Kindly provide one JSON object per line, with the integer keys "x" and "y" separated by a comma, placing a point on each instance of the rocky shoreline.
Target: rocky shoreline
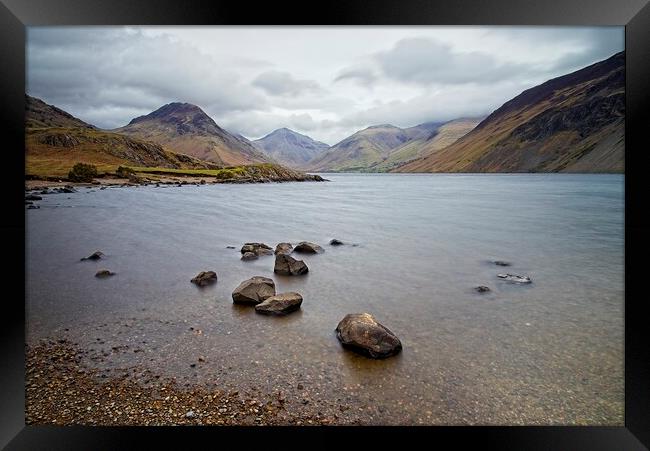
{"x": 62, "y": 390}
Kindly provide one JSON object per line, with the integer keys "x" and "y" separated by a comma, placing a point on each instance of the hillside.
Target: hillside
{"x": 368, "y": 147}
{"x": 290, "y": 148}
{"x": 39, "y": 114}
{"x": 186, "y": 128}
{"x": 55, "y": 140}
{"x": 53, "y": 151}
{"x": 445, "y": 135}
{"x": 573, "y": 123}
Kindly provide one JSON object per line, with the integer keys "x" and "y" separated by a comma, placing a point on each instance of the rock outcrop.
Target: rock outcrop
{"x": 204, "y": 278}
{"x": 308, "y": 248}
{"x": 286, "y": 265}
{"x": 257, "y": 248}
{"x": 283, "y": 248}
{"x": 362, "y": 333}
{"x": 253, "y": 291}
{"x": 280, "y": 304}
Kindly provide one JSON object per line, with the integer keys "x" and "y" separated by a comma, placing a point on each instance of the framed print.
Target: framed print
{"x": 417, "y": 218}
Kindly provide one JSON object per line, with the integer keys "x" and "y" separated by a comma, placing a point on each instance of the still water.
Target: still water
{"x": 546, "y": 353}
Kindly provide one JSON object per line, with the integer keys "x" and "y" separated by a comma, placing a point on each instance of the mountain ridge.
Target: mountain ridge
{"x": 572, "y": 123}
{"x": 186, "y": 128}
{"x": 290, "y": 147}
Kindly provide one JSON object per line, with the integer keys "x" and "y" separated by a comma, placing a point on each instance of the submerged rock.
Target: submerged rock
{"x": 280, "y": 304}
{"x": 204, "y": 277}
{"x": 257, "y": 249}
{"x": 502, "y": 263}
{"x": 33, "y": 207}
{"x": 515, "y": 278}
{"x": 254, "y": 290}
{"x": 336, "y": 242}
{"x": 308, "y": 248}
{"x": 249, "y": 256}
{"x": 286, "y": 265}
{"x": 230, "y": 247}
{"x": 33, "y": 197}
{"x": 362, "y": 333}
{"x": 104, "y": 273}
{"x": 482, "y": 289}
{"x": 95, "y": 256}
{"x": 283, "y": 248}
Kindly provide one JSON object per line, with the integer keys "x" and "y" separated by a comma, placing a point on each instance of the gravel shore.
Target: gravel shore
{"x": 61, "y": 390}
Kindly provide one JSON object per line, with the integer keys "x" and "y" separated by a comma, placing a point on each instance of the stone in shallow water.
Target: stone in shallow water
{"x": 502, "y": 263}
{"x": 482, "y": 289}
{"x": 280, "y": 304}
{"x": 249, "y": 256}
{"x": 205, "y": 277}
{"x": 286, "y": 265}
{"x": 257, "y": 249}
{"x": 308, "y": 248}
{"x": 104, "y": 273}
{"x": 95, "y": 256}
{"x": 514, "y": 278}
{"x": 336, "y": 242}
{"x": 362, "y": 333}
{"x": 283, "y": 248}
{"x": 254, "y": 290}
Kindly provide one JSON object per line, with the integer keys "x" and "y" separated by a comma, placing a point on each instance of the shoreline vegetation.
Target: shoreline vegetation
{"x": 135, "y": 175}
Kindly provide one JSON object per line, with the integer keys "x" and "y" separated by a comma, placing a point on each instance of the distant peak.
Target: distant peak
{"x": 171, "y": 109}
{"x": 381, "y": 126}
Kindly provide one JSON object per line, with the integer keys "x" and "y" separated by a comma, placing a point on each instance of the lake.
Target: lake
{"x": 550, "y": 352}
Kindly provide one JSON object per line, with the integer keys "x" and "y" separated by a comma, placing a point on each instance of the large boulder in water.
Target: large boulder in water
{"x": 283, "y": 248}
{"x": 286, "y": 265}
{"x": 280, "y": 304}
{"x": 204, "y": 278}
{"x": 257, "y": 249}
{"x": 254, "y": 290}
{"x": 362, "y": 333}
{"x": 308, "y": 248}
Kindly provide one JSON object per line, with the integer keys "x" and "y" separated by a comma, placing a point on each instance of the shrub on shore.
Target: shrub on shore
{"x": 124, "y": 172}
{"x": 82, "y": 172}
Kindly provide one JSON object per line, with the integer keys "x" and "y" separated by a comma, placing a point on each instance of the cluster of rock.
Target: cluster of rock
{"x": 102, "y": 273}
{"x": 36, "y": 193}
{"x": 513, "y": 278}
{"x": 260, "y": 292}
{"x": 359, "y": 332}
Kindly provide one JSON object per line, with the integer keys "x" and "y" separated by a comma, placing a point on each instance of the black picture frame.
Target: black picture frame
{"x": 15, "y": 15}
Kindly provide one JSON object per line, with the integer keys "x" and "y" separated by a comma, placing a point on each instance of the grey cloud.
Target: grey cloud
{"x": 104, "y": 68}
{"x": 364, "y": 75}
{"x": 426, "y": 61}
{"x": 278, "y": 83}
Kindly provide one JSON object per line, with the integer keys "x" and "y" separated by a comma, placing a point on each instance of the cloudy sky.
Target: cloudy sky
{"x": 326, "y": 82}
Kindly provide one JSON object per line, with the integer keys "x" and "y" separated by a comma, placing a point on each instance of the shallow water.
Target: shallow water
{"x": 550, "y": 352}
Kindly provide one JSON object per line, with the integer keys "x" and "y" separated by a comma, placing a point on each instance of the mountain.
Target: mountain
{"x": 573, "y": 123}
{"x": 444, "y": 135}
{"x": 290, "y": 148}
{"x": 370, "y": 149}
{"x": 55, "y": 140}
{"x": 39, "y": 114}
{"x": 185, "y": 128}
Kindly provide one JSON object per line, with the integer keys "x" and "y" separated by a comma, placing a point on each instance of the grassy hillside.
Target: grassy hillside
{"x": 573, "y": 123}
{"x": 53, "y": 151}
{"x": 186, "y": 128}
